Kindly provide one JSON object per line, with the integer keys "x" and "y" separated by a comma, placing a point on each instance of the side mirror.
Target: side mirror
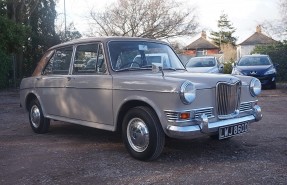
{"x": 220, "y": 68}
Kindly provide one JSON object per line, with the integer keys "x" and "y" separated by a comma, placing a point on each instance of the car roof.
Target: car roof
{"x": 255, "y": 55}
{"x": 204, "y": 57}
{"x": 105, "y": 40}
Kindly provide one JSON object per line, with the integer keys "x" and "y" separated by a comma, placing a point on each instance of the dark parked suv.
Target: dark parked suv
{"x": 259, "y": 66}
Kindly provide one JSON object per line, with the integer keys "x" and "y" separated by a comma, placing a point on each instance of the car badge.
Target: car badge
{"x": 253, "y": 72}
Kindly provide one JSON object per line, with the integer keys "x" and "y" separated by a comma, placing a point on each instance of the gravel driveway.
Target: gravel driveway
{"x": 72, "y": 154}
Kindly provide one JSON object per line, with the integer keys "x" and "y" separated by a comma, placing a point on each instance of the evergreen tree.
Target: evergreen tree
{"x": 12, "y": 38}
{"x": 225, "y": 33}
{"x": 43, "y": 35}
{"x": 30, "y": 29}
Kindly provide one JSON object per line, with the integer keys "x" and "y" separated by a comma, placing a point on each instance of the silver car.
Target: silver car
{"x": 206, "y": 64}
{"x": 146, "y": 101}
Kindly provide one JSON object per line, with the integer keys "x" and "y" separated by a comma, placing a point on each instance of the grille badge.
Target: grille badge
{"x": 253, "y": 72}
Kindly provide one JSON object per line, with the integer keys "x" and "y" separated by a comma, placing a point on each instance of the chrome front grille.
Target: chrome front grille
{"x": 207, "y": 111}
{"x": 173, "y": 116}
{"x": 228, "y": 99}
{"x": 246, "y": 106}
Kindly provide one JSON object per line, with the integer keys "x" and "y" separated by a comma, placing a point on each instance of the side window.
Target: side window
{"x": 89, "y": 59}
{"x": 60, "y": 62}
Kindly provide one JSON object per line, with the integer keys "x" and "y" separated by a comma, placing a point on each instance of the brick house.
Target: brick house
{"x": 258, "y": 38}
{"x": 201, "y": 47}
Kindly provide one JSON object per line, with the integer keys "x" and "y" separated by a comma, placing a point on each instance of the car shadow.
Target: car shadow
{"x": 199, "y": 149}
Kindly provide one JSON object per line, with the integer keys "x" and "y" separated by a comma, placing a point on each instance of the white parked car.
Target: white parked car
{"x": 145, "y": 101}
{"x": 206, "y": 64}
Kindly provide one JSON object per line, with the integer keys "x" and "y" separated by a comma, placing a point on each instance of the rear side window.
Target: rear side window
{"x": 60, "y": 62}
{"x": 89, "y": 59}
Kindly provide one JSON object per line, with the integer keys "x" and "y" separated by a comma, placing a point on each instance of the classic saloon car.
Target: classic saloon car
{"x": 145, "y": 101}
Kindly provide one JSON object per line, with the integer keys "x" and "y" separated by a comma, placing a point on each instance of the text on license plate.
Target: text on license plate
{"x": 232, "y": 130}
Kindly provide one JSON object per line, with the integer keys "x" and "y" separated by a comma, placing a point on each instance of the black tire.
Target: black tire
{"x": 147, "y": 140}
{"x": 273, "y": 85}
{"x": 38, "y": 122}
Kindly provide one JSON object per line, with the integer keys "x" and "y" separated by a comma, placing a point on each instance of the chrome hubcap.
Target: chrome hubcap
{"x": 35, "y": 116}
{"x": 138, "y": 134}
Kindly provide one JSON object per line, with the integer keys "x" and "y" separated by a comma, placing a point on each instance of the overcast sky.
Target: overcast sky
{"x": 244, "y": 14}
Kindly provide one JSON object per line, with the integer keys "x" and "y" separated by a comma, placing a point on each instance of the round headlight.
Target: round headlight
{"x": 255, "y": 87}
{"x": 187, "y": 92}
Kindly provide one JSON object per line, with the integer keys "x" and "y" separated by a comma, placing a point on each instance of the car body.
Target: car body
{"x": 205, "y": 64}
{"x": 146, "y": 101}
{"x": 259, "y": 66}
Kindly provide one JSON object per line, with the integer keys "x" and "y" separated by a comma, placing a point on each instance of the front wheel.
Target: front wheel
{"x": 142, "y": 134}
{"x": 38, "y": 122}
{"x": 273, "y": 85}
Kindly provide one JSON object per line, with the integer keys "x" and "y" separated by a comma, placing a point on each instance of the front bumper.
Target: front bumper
{"x": 203, "y": 127}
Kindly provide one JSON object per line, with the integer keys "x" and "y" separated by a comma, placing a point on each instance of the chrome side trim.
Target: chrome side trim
{"x": 84, "y": 123}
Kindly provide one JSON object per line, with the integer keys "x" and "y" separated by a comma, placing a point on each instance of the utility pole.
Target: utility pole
{"x": 65, "y": 18}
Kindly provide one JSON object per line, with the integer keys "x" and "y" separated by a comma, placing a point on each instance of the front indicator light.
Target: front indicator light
{"x": 184, "y": 115}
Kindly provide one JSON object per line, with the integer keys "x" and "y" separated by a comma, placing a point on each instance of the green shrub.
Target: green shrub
{"x": 278, "y": 54}
{"x": 227, "y": 69}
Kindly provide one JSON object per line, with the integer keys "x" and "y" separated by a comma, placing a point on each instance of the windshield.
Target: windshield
{"x": 139, "y": 55}
{"x": 254, "y": 61}
{"x": 201, "y": 62}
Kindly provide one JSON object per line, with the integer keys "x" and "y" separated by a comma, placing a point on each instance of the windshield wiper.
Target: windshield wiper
{"x": 169, "y": 68}
{"x": 131, "y": 69}
{"x": 146, "y": 66}
{"x": 166, "y": 68}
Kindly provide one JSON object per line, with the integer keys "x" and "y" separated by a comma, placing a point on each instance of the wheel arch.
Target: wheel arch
{"x": 31, "y": 96}
{"x": 130, "y": 104}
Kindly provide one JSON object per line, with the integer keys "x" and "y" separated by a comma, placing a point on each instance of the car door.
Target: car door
{"x": 51, "y": 85}
{"x": 89, "y": 88}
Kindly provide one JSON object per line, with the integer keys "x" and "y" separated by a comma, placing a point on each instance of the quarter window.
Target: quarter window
{"x": 60, "y": 62}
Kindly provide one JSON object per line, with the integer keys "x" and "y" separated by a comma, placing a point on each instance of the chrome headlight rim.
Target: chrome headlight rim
{"x": 187, "y": 92}
{"x": 255, "y": 87}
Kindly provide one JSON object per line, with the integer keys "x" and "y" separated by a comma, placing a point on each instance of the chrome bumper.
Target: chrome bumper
{"x": 203, "y": 127}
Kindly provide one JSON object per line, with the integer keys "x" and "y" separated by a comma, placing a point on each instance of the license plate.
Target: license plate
{"x": 232, "y": 130}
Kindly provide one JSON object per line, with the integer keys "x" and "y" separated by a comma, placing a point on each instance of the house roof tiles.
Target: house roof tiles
{"x": 201, "y": 43}
{"x": 258, "y": 38}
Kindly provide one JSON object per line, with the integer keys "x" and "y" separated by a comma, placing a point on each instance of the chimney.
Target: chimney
{"x": 258, "y": 29}
{"x": 203, "y": 34}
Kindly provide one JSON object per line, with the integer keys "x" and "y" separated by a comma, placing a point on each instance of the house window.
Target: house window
{"x": 201, "y": 53}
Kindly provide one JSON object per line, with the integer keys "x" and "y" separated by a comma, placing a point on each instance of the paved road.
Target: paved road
{"x": 72, "y": 154}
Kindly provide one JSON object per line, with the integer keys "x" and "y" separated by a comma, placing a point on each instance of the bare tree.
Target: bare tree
{"x": 277, "y": 28}
{"x": 283, "y": 11}
{"x": 145, "y": 18}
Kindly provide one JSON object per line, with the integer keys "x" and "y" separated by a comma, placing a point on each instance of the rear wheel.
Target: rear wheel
{"x": 142, "y": 134}
{"x": 38, "y": 122}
